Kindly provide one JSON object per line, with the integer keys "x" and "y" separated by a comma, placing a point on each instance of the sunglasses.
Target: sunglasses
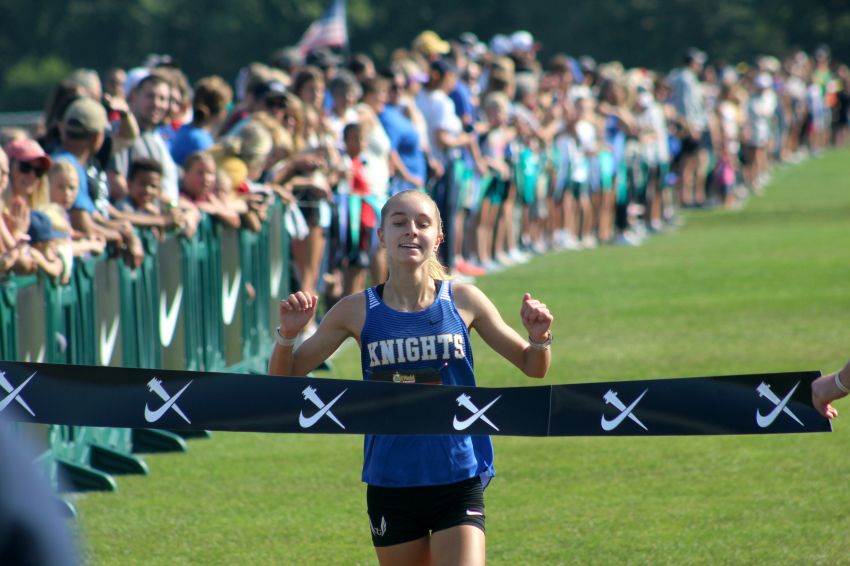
{"x": 27, "y": 167}
{"x": 276, "y": 103}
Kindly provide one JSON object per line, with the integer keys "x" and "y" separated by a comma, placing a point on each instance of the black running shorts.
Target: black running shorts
{"x": 403, "y": 514}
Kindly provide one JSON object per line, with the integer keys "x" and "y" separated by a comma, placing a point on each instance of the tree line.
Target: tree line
{"x": 40, "y": 44}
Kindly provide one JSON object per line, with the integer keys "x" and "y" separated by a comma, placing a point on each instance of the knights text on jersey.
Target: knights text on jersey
{"x": 432, "y": 342}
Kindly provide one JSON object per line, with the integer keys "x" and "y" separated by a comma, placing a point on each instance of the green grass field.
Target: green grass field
{"x": 762, "y": 289}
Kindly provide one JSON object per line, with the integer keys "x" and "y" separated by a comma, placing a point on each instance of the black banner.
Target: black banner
{"x": 142, "y": 398}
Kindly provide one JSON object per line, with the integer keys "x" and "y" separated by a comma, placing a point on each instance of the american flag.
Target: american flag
{"x": 327, "y": 31}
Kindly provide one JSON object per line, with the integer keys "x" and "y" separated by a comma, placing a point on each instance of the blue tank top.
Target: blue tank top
{"x": 435, "y": 338}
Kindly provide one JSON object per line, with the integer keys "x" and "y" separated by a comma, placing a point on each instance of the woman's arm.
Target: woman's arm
{"x": 828, "y": 388}
{"x": 531, "y": 355}
{"x": 343, "y": 320}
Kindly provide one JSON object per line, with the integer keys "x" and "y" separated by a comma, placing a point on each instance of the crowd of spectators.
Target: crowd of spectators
{"x": 523, "y": 156}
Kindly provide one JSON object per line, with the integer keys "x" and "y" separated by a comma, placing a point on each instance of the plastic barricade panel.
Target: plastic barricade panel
{"x": 231, "y": 277}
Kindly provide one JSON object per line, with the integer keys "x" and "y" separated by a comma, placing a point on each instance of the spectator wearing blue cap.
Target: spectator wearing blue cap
{"x": 45, "y": 241}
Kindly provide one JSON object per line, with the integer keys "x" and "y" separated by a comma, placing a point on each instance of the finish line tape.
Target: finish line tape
{"x": 183, "y": 400}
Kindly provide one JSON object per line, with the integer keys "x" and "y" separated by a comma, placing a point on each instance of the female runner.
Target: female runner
{"x": 425, "y": 493}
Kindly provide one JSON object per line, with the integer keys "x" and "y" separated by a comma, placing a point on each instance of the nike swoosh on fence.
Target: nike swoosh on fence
{"x": 229, "y": 296}
{"x": 107, "y": 343}
{"x": 276, "y": 277}
{"x": 14, "y": 394}
{"x": 306, "y": 422}
{"x": 168, "y": 316}
{"x": 153, "y": 416}
{"x": 614, "y": 423}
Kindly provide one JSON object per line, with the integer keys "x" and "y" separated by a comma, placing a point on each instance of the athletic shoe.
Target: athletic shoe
{"x": 625, "y": 239}
{"x": 519, "y": 256}
{"x": 492, "y": 266}
{"x": 589, "y": 242}
{"x": 467, "y": 268}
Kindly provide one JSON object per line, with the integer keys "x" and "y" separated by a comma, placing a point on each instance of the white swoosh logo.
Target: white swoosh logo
{"x": 465, "y": 424}
{"x": 39, "y": 358}
{"x": 765, "y": 421}
{"x": 168, "y": 316}
{"x": 229, "y": 296}
{"x": 277, "y": 275}
{"x": 308, "y": 422}
{"x": 614, "y": 423}
{"x": 107, "y": 343}
{"x": 14, "y": 395}
{"x": 153, "y": 416}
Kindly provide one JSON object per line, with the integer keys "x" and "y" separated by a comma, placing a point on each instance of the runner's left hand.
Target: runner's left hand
{"x": 536, "y": 318}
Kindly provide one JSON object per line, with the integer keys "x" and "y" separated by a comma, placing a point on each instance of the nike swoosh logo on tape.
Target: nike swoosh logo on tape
{"x": 614, "y": 423}
{"x": 168, "y": 316}
{"x": 308, "y": 422}
{"x": 153, "y": 416}
{"x": 14, "y": 394}
{"x": 229, "y": 296}
{"x": 765, "y": 421}
{"x": 465, "y": 424}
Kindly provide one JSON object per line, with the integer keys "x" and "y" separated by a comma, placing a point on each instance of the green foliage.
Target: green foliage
{"x": 219, "y": 36}
{"x": 30, "y": 79}
{"x": 755, "y": 290}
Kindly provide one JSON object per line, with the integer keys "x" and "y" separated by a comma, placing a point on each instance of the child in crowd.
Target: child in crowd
{"x": 199, "y": 184}
{"x": 362, "y": 215}
{"x": 495, "y": 151}
{"x": 140, "y": 207}
{"x": 64, "y": 185}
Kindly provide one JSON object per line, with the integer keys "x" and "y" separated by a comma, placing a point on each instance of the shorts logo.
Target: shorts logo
{"x": 626, "y": 412}
{"x": 765, "y": 421}
{"x": 310, "y": 395}
{"x": 466, "y": 402}
{"x": 155, "y": 386}
{"x": 14, "y": 393}
{"x": 378, "y": 532}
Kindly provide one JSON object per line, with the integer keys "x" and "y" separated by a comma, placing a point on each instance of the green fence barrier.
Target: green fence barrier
{"x": 206, "y": 303}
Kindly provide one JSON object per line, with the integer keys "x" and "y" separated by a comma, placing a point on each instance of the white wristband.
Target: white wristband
{"x": 841, "y": 387}
{"x": 286, "y": 342}
{"x": 541, "y": 345}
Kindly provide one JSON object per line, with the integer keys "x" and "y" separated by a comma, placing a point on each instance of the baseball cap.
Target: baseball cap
{"x": 500, "y": 45}
{"x": 443, "y": 66}
{"x": 323, "y": 58}
{"x": 41, "y": 229}
{"x": 134, "y": 77}
{"x": 270, "y": 89}
{"x": 430, "y": 43}
{"x": 85, "y": 116}
{"x": 522, "y": 41}
{"x": 694, "y": 54}
{"x": 26, "y": 149}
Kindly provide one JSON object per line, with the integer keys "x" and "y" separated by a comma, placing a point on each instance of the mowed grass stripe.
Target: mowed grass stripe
{"x": 755, "y": 290}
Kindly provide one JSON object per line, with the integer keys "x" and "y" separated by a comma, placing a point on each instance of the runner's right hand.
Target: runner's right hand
{"x": 296, "y": 311}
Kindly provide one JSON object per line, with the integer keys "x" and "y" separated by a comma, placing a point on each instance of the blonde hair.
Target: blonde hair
{"x": 58, "y": 218}
{"x": 436, "y": 270}
{"x": 63, "y": 167}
